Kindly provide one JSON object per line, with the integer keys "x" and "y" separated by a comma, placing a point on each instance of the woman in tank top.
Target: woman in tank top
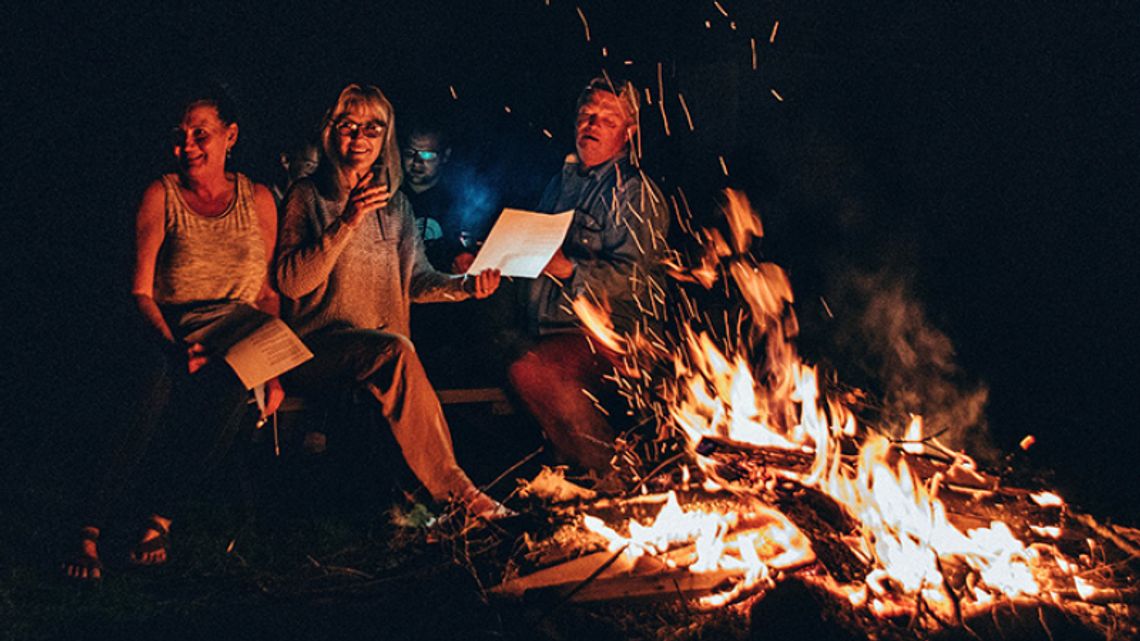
{"x": 204, "y": 241}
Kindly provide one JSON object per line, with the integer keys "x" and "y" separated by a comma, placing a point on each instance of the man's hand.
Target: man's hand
{"x": 364, "y": 198}
{"x": 274, "y": 395}
{"x": 196, "y": 357}
{"x": 485, "y": 283}
{"x": 462, "y": 263}
{"x": 559, "y": 266}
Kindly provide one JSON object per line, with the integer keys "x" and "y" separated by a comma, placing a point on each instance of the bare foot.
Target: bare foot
{"x": 85, "y": 566}
{"x": 152, "y": 546}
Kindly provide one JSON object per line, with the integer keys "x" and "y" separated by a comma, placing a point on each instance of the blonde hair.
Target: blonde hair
{"x": 368, "y": 99}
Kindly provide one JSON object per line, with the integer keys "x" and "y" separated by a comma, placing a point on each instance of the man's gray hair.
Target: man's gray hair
{"x": 624, "y": 90}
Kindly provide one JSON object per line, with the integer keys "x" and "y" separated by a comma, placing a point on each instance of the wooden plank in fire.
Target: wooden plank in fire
{"x": 602, "y": 577}
{"x": 588, "y": 578}
{"x": 676, "y": 584}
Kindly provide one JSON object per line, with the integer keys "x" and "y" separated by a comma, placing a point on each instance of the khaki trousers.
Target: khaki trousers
{"x": 386, "y": 365}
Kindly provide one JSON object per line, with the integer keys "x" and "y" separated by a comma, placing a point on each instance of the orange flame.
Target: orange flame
{"x": 771, "y": 542}
{"x": 742, "y": 219}
{"x": 906, "y": 535}
{"x": 596, "y": 318}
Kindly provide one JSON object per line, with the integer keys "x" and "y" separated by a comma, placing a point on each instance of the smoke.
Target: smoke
{"x": 884, "y": 328}
{"x": 476, "y": 198}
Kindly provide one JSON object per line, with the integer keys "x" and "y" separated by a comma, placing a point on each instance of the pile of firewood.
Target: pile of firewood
{"x": 567, "y": 562}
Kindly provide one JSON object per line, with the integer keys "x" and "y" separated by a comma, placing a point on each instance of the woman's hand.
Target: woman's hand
{"x": 364, "y": 198}
{"x": 486, "y": 282}
{"x": 274, "y": 395}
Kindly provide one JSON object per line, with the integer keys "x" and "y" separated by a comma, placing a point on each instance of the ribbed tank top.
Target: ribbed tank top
{"x": 210, "y": 259}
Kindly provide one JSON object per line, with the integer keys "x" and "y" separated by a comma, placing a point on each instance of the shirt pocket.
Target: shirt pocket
{"x": 587, "y": 233}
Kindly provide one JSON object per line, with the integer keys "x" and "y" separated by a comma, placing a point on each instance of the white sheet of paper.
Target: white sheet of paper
{"x": 522, "y": 242}
{"x": 270, "y": 350}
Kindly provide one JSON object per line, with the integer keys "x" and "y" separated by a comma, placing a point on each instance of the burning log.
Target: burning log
{"x": 752, "y": 464}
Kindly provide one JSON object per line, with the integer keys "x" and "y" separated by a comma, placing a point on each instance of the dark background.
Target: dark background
{"x": 983, "y": 153}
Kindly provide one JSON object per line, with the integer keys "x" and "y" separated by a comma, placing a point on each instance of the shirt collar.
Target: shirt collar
{"x": 575, "y": 165}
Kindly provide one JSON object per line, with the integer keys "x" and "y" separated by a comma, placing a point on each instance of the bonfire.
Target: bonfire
{"x": 757, "y": 473}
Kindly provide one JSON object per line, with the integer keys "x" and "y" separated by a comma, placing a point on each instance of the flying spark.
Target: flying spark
{"x": 685, "y": 108}
{"x": 586, "y": 25}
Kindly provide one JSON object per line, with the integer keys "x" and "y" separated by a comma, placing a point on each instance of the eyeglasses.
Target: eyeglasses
{"x": 425, "y": 155}
{"x": 348, "y": 129}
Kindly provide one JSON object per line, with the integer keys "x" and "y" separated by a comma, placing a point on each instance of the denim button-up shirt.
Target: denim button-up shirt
{"x": 616, "y": 242}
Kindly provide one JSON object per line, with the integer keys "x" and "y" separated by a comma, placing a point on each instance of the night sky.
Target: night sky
{"x": 982, "y": 153}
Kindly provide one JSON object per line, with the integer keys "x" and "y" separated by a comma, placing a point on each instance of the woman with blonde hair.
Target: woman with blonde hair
{"x": 349, "y": 265}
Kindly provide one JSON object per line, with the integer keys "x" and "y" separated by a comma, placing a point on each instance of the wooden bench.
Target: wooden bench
{"x": 496, "y": 397}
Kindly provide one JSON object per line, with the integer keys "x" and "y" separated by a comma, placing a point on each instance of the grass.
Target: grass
{"x": 298, "y": 548}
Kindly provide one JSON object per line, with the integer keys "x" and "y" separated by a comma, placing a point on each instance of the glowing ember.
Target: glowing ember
{"x": 1047, "y": 499}
{"x": 1084, "y": 589}
{"x": 912, "y": 441}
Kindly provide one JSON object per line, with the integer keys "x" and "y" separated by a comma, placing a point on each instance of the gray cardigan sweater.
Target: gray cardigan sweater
{"x": 331, "y": 277}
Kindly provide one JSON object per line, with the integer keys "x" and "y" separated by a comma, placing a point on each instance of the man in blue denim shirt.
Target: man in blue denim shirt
{"x": 612, "y": 252}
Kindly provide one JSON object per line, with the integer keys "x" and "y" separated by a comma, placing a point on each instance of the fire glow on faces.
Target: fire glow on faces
{"x": 602, "y": 129}
{"x": 200, "y": 142}
{"x": 359, "y": 138}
